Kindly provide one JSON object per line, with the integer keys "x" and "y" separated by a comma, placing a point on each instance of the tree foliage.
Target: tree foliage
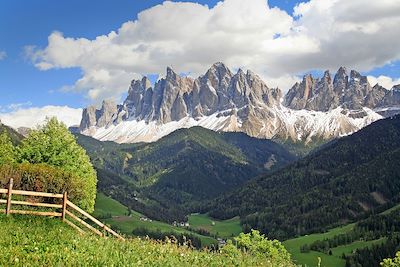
{"x": 7, "y": 150}
{"x": 258, "y": 245}
{"x": 392, "y": 262}
{"x": 53, "y": 145}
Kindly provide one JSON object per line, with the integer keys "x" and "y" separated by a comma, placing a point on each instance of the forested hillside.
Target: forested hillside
{"x": 162, "y": 178}
{"x": 344, "y": 181}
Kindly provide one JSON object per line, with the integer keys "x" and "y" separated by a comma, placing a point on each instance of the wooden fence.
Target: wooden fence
{"x": 62, "y": 208}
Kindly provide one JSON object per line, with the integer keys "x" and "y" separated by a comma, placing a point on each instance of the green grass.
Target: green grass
{"x": 311, "y": 258}
{"x": 126, "y": 224}
{"x": 106, "y": 205}
{"x": 391, "y": 209}
{"x": 224, "y": 229}
{"x": 334, "y": 260}
{"x": 34, "y": 241}
{"x": 348, "y": 249}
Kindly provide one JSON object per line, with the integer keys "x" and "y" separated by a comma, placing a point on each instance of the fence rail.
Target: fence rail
{"x": 62, "y": 208}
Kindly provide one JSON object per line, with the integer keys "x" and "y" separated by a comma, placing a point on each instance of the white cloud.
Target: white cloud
{"x": 384, "y": 81}
{"x": 32, "y": 117}
{"x": 321, "y": 34}
{"x": 283, "y": 82}
{"x": 3, "y": 55}
{"x": 14, "y": 107}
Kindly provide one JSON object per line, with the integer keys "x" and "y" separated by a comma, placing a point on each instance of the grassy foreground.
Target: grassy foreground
{"x": 126, "y": 224}
{"x": 33, "y": 241}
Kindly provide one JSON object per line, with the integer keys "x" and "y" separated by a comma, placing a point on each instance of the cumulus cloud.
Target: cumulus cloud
{"x": 35, "y": 116}
{"x": 3, "y": 55}
{"x": 384, "y": 81}
{"x": 320, "y": 34}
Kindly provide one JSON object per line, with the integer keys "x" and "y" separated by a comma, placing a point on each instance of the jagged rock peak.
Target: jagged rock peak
{"x": 340, "y": 75}
{"x": 171, "y": 74}
{"x": 174, "y": 97}
{"x": 352, "y": 92}
{"x": 103, "y": 117}
{"x": 327, "y": 76}
{"x": 342, "y": 71}
{"x": 354, "y": 74}
{"x": 146, "y": 83}
{"x": 219, "y": 66}
{"x": 106, "y": 115}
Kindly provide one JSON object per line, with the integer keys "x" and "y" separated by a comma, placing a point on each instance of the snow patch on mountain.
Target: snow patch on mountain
{"x": 304, "y": 124}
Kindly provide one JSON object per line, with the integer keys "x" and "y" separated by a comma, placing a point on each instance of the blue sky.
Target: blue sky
{"x": 24, "y": 23}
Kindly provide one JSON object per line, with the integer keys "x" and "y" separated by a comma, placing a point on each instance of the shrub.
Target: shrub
{"x": 43, "y": 178}
{"x": 392, "y": 262}
{"x": 258, "y": 245}
{"x": 54, "y": 145}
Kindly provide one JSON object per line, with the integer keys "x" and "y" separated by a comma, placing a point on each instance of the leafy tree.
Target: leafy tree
{"x": 392, "y": 262}
{"x": 258, "y": 245}
{"x": 7, "y": 150}
{"x": 54, "y": 145}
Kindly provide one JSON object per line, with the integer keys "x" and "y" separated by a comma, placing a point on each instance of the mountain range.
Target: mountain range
{"x": 314, "y": 109}
{"x": 162, "y": 179}
{"x": 345, "y": 180}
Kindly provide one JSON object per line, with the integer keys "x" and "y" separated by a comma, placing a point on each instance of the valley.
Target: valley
{"x": 169, "y": 178}
{"x": 342, "y": 179}
{"x": 169, "y": 133}
{"x": 329, "y": 175}
{"x": 227, "y": 229}
{"x": 131, "y": 222}
{"x": 135, "y": 206}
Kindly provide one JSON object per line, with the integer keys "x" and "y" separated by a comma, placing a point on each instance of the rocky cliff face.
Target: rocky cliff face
{"x": 103, "y": 117}
{"x": 174, "y": 98}
{"x": 391, "y": 98}
{"x": 241, "y": 101}
{"x": 351, "y": 92}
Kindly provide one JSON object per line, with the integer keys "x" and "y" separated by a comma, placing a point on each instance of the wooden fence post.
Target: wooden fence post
{"x": 9, "y": 194}
{"x": 64, "y": 205}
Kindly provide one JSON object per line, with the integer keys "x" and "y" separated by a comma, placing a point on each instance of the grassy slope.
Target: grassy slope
{"x": 106, "y": 205}
{"x": 126, "y": 224}
{"x": 33, "y": 241}
{"x": 223, "y": 229}
{"x": 334, "y": 260}
{"x": 311, "y": 258}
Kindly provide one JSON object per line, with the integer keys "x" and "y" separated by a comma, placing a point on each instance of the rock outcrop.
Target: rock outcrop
{"x": 220, "y": 100}
{"x": 351, "y": 92}
{"x": 174, "y": 98}
{"x": 103, "y": 117}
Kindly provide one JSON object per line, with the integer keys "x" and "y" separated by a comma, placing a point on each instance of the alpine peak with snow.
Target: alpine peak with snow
{"x": 220, "y": 100}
